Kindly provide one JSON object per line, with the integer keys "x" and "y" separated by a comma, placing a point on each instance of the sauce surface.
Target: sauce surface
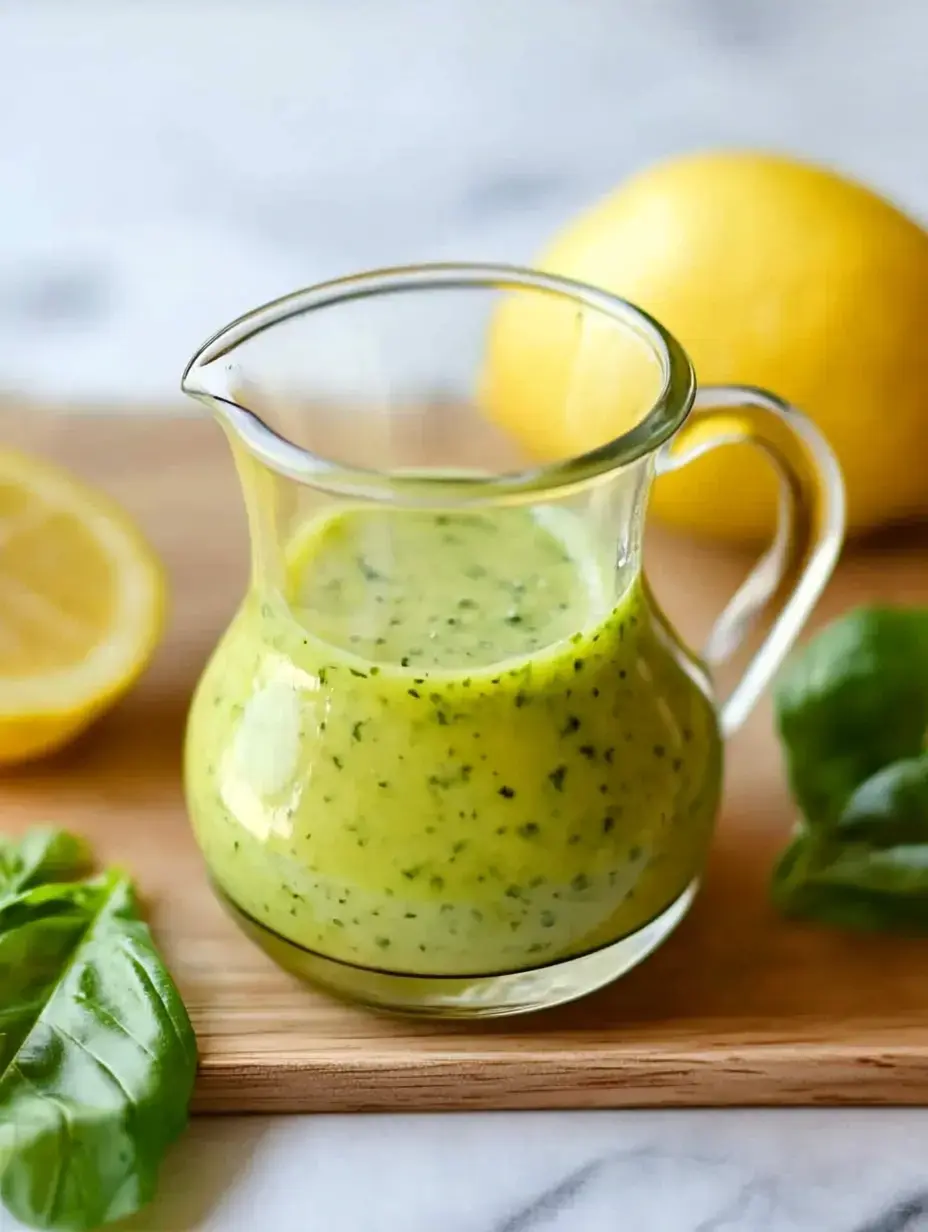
{"x": 447, "y": 750}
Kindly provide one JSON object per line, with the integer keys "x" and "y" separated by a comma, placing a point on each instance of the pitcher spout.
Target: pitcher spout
{"x": 192, "y": 383}
{"x": 206, "y": 378}
{"x": 214, "y": 375}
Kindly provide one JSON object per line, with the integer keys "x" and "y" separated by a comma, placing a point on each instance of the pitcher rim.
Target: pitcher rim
{"x": 657, "y": 425}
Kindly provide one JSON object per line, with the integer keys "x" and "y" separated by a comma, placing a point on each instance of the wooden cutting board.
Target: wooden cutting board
{"x": 739, "y": 1007}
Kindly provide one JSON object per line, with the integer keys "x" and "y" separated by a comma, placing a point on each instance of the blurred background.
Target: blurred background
{"x": 167, "y": 164}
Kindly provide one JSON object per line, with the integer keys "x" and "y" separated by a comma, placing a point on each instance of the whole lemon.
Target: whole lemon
{"x": 770, "y": 272}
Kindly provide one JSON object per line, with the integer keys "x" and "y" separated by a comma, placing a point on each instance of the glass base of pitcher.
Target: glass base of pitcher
{"x": 490, "y": 996}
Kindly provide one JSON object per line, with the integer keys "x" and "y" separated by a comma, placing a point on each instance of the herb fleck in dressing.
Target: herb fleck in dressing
{"x": 444, "y": 750}
{"x": 438, "y": 590}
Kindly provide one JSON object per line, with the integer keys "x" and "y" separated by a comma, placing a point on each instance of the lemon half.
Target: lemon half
{"x": 82, "y": 602}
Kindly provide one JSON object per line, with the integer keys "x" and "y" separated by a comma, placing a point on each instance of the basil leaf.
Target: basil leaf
{"x": 97, "y": 1055}
{"x": 891, "y": 808}
{"x": 847, "y": 900}
{"x": 852, "y": 712}
{"x": 854, "y": 701}
{"x": 854, "y": 885}
{"x": 41, "y": 856}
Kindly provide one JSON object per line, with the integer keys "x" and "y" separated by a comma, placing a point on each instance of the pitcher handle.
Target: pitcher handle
{"x": 791, "y": 575}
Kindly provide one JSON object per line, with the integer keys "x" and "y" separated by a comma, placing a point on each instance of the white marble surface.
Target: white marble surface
{"x": 712, "y": 1171}
{"x": 165, "y": 165}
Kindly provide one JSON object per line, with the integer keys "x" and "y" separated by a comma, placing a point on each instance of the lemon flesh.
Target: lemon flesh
{"x": 81, "y": 605}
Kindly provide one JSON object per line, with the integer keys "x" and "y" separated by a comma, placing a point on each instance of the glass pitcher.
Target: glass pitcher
{"x": 450, "y": 758}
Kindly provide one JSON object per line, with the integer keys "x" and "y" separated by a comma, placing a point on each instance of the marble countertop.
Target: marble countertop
{"x": 675, "y": 1171}
{"x": 166, "y": 165}
{"x": 698, "y": 1171}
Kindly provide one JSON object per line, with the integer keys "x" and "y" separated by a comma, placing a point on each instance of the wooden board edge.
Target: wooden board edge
{"x": 788, "y": 1076}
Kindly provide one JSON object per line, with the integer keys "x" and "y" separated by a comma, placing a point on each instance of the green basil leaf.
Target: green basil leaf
{"x": 891, "y": 808}
{"x": 852, "y": 713}
{"x": 852, "y": 907}
{"x": 97, "y": 1055}
{"x": 870, "y": 870}
{"x": 41, "y": 856}
{"x": 855, "y": 886}
{"x": 39, "y": 931}
{"x": 854, "y": 701}
{"x": 896, "y": 870}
